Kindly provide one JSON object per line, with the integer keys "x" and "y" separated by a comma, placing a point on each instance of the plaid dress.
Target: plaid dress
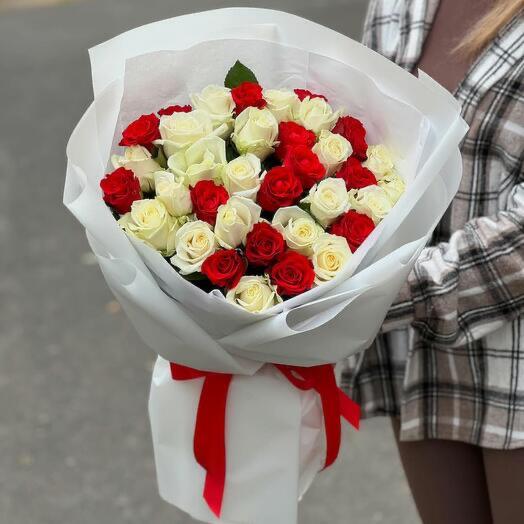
{"x": 450, "y": 359}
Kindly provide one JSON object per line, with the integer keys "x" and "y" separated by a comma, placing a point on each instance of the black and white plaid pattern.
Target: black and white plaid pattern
{"x": 457, "y": 371}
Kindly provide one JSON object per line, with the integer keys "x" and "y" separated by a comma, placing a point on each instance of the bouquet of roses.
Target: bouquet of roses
{"x": 263, "y": 193}
{"x": 263, "y": 229}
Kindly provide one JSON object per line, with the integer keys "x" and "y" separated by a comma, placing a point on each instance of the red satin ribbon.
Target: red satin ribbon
{"x": 209, "y": 443}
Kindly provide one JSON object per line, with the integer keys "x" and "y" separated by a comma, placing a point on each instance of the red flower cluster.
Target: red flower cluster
{"x": 141, "y": 132}
{"x": 354, "y": 227}
{"x": 305, "y": 165}
{"x": 121, "y": 188}
{"x": 291, "y": 272}
{"x": 247, "y": 94}
{"x": 355, "y": 175}
{"x": 224, "y": 268}
{"x": 354, "y": 132}
{"x": 207, "y": 197}
{"x": 170, "y": 110}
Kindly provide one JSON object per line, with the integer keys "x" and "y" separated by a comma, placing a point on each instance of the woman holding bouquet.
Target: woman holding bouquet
{"x": 449, "y": 366}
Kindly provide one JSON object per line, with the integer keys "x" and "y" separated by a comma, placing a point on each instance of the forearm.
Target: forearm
{"x": 463, "y": 289}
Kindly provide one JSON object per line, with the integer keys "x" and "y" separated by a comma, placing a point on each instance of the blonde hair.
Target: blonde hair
{"x": 486, "y": 29}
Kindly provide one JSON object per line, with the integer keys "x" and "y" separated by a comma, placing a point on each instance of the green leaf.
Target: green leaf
{"x": 231, "y": 151}
{"x": 270, "y": 162}
{"x": 160, "y": 157}
{"x": 305, "y": 207}
{"x": 195, "y": 277}
{"x": 239, "y": 73}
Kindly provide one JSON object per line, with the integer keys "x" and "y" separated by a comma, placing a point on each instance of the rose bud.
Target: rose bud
{"x": 330, "y": 255}
{"x": 264, "y": 244}
{"x": 247, "y": 94}
{"x": 316, "y": 114}
{"x": 141, "y": 132}
{"x": 224, "y": 268}
{"x": 207, "y": 197}
{"x": 121, "y": 188}
{"x": 279, "y": 188}
{"x": 332, "y": 150}
{"x": 305, "y": 165}
{"x": 254, "y": 294}
{"x": 292, "y": 274}
{"x": 355, "y": 175}
{"x": 354, "y": 132}
{"x": 255, "y": 131}
{"x": 218, "y": 103}
{"x": 283, "y": 103}
{"x": 195, "y": 242}
{"x": 354, "y": 227}
{"x": 291, "y": 134}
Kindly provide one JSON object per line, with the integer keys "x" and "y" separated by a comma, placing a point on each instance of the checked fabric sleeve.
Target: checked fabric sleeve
{"x": 461, "y": 290}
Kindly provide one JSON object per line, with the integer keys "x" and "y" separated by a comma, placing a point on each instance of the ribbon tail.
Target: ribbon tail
{"x": 327, "y": 388}
{"x": 349, "y": 409}
{"x": 209, "y": 440}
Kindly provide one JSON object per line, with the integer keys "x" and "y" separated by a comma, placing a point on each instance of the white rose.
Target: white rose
{"x": 204, "y": 160}
{"x": 181, "y": 130}
{"x": 332, "y": 150}
{"x": 218, "y": 103}
{"x": 138, "y": 159}
{"x": 298, "y": 228}
{"x": 234, "y": 221}
{"x": 328, "y": 200}
{"x": 173, "y": 193}
{"x": 372, "y": 201}
{"x": 316, "y": 114}
{"x": 254, "y": 294}
{"x": 256, "y": 131}
{"x": 150, "y": 221}
{"x": 283, "y": 103}
{"x": 379, "y": 161}
{"x": 393, "y": 185}
{"x": 194, "y": 241}
{"x": 330, "y": 254}
{"x": 242, "y": 175}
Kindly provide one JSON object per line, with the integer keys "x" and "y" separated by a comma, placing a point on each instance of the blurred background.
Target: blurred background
{"x": 74, "y": 436}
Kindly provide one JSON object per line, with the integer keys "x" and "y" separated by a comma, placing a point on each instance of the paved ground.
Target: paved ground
{"x": 74, "y": 437}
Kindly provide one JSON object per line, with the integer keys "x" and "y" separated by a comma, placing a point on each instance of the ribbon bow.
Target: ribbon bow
{"x": 209, "y": 441}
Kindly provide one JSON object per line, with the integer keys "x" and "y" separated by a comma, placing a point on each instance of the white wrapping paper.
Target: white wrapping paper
{"x": 267, "y": 470}
{"x": 159, "y": 64}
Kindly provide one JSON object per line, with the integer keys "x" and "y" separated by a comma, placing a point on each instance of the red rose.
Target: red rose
{"x": 292, "y": 274}
{"x": 168, "y": 111}
{"x": 141, "y": 132}
{"x": 355, "y": 175}
{"x": 224, "y": 268}
{"x": 354, "y": 227}
{"x": 207, "y": 197}
{"x": 303, "y": 93}
{"x": 121, "y": 188}
{"x": 247, "y": 94}
{"x": 264, "y": 244}
{"x": 353, "y": 131}
{"x": 291, "y": 134}
{"x": 306, "y": 165}
{"x": 279, "y": 188}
